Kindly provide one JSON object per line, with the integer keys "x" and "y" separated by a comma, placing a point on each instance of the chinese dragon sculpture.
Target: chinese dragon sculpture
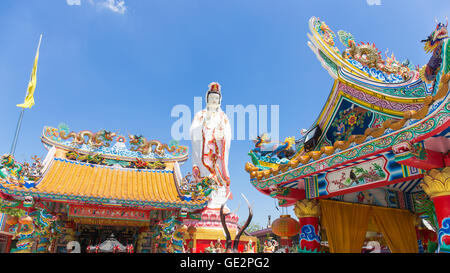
{"x": 169, "y": 236}
{"x": 178, "y": 241}
{"x": 435, "y": 43}
{"x": 95, "y": 159}
{"x": 44, "y": 224}
{"x": 264, "y": 147}
{"x": 9, "y": 168}
{"x": 269, "y": 154}
{"x": 197, "y": 187}
{"x": 101, "y": 138}
{"x": 25, "y": 234}
{"x": 368, "y": 55}
{"x": 144, "y": 146}
{"x": 28, "y": 221}
{"x": 141, "y": 164}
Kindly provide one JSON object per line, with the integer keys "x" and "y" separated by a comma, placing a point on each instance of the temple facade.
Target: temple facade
{"x": 100, "y": 192}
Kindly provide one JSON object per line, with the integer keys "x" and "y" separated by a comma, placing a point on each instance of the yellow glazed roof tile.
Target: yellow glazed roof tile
{"x": 82, "y": 180}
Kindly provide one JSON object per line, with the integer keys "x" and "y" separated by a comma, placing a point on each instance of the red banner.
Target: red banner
{"x": 82, "y": 211}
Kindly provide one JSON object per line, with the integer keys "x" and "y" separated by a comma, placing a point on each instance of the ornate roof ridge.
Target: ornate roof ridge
{"x": 361, "y": 60}
{"x": 111, "y": 146}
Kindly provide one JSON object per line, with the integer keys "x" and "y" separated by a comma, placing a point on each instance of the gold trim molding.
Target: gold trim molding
{"x": 437, "y": 182}
{"x": 307, "y": 208}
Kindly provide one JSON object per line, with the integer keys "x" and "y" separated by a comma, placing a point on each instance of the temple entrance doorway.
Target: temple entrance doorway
{"x": 88, "y": 235}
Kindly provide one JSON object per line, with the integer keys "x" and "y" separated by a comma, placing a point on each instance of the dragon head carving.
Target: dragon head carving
{"x": 439, "y": 34}
{"x": 107, "y": 135}
{"x": 135, "y": 139}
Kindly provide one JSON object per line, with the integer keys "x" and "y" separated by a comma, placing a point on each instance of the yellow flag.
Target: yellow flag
{"x": 29, "y": 98}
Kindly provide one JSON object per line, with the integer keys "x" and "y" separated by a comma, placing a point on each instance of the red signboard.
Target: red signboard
{"x": 82, "y": 211}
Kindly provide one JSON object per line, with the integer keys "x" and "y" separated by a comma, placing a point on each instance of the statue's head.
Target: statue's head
{"x": 213, "y": 96}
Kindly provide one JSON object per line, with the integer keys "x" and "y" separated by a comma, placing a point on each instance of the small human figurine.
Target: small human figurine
{"x": 219, "y": 247}
{"x": 249, "y": 247}
{"x": 210, "y": 248}
{"x": 269, "y": 247}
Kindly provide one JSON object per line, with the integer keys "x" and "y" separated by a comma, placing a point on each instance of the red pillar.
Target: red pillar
{"x": 442, "y": 206}
{"x": 309, "y": 239}
{"x": 308, "y": 212}
{"x": 437, "y": 186}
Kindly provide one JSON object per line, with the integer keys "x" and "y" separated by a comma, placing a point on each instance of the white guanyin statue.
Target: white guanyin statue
{"x": 211, "y": 138}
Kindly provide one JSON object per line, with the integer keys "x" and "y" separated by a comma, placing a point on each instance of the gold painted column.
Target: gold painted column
{"x": 308, "y": 212}
{"x": 437, "y": 185}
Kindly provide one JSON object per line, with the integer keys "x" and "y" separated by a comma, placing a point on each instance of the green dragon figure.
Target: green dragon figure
{"x": 167, "y": 229}
{"x": 25, "y": 233}
{"x": 44, "y": 225}
{"x": 197, "y": 187}
{"x": 178, "y": 241}
{"x": 10, "y": 169}
{"x": 141, "y": 164}
{"x": 31, "y": 222}
{"x": 204, "y": 188}
{"x": 95, "y": 159}
{"x": 435, "y": 43}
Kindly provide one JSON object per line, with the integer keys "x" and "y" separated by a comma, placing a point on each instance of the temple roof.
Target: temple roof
{"x": 369, "y": 110}
{"x": 67, "y": 180}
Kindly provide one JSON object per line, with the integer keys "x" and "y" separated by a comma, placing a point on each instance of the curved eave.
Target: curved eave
{"x": 364, "y": 98}
{"x": 419, "y": 125}
{"x": 339, "y": 68}
{"x": 74, "y": 182}
{"x": 402, "y": 108}
{"x": 16, "y": 191}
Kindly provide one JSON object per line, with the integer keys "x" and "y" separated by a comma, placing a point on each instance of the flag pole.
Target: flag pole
{"x": 16, "y": 135}
{"x": 19, "y": 122}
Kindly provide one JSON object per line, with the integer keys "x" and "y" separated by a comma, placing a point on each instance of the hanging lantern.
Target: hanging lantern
{"x": 26, "y": 220}
{"x": 285, "y": 226}
{"x": 12, "y": 220}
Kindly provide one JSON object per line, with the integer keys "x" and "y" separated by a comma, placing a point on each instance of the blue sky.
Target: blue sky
{"x": 123, "y": 65}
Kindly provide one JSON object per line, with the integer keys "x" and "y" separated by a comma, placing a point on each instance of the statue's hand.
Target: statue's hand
{"x": 208, "y": 115}
{"x": 220, "y": 134}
